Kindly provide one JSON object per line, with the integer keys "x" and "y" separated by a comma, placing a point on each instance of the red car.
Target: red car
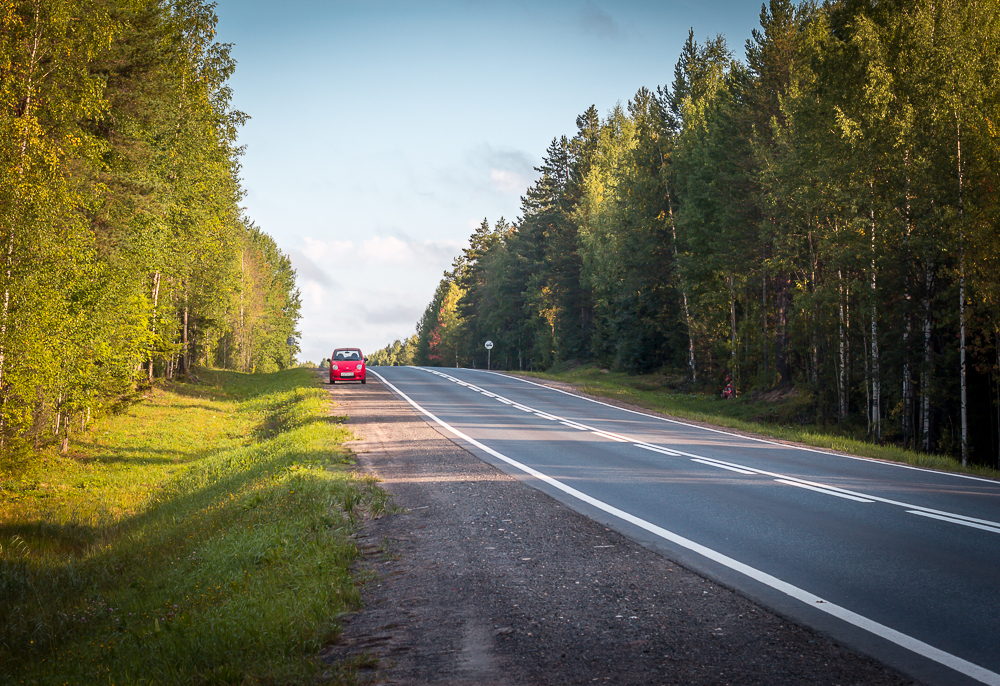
{"x": 347, "y": 364}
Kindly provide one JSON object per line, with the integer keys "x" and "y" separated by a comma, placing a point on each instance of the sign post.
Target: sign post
{"x": 489, "y": 347}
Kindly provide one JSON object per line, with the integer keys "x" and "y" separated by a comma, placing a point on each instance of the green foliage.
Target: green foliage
{"x": 397, "y": 354}
{"x": 784, "y": 415}
{"x": 202, "y": 537}
{"x": 822, "y": 218}
{"x": 121, "y": 238}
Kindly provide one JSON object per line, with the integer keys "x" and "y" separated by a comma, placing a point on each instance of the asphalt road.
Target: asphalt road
{"x": 902, "y": 563}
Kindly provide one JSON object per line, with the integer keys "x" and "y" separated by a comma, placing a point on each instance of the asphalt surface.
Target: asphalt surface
{"x": 899, "y": 562}
{"x": 478, "y": 578}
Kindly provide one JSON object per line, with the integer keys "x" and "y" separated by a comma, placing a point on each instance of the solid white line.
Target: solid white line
{"x": 545, "y": 416}
{"x": 802, "y": 483}
{"x": 505, "y": 401}
{"x": 749, "y": 438}
{"x": 722, "y": 466}
{"x": 919, "y": 647}
{"x": 574, "y": 426}
{"x": 955, "y": 521}
{"x": 824, "y": 490}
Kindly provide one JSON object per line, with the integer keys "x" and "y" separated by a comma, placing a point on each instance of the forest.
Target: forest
{"x": 821, "y": 216}
{"x": 125, "y": 253}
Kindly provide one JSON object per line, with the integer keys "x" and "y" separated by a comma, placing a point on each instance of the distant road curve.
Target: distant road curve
{"x": 900, "y": 562}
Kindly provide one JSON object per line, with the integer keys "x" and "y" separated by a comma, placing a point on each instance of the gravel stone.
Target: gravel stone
{"x": 481, "y": 579}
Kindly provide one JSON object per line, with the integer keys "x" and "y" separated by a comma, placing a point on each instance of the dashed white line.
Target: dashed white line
{"x": 982, "y": 524}
{"x": 657, "y": 449}
{"x": 610, "y": 436}
{"x": 827, "y": 491}
{"x": 910, "y": 643}
{"x": 720, "y": 465}
{"x": 955, "y": 520}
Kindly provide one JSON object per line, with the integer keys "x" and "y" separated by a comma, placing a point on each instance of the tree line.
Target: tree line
{"x": 822, "y": 216}
{"x": 124, "y": 253}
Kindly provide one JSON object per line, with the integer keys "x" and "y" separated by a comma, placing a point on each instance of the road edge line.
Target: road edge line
{"x": 914, "y": 645}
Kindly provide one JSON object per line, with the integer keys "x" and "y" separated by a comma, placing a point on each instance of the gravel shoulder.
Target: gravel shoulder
{"x": 480, "y": 579}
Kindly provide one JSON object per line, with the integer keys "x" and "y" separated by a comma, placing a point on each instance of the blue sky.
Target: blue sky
{"x": 382, "y": 133}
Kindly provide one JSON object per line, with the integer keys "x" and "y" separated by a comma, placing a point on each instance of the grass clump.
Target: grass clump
{"x": 203, "y": 537}
{"x": 785, "y": 416}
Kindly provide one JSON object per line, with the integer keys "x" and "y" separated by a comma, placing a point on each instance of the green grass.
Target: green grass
{"x": 786, "y": 417}
{"x": 201, "y": 538}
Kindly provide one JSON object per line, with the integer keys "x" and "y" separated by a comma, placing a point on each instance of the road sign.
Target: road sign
{"x": 489, "y": 345}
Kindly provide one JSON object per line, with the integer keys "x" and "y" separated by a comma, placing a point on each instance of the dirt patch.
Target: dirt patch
{"x": 484, "y": 580}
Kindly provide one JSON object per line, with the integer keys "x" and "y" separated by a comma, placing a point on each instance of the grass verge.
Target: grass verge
{"x": 201, "y": 538}
{"x": 782, "y": 419}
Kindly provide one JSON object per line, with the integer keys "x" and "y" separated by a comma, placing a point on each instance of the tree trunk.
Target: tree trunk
{"x": 847, "y": 347}
{"x": 908, "y": 419}
{"x": 781, "y": 331}
{"x": 684, "y": 296}
{"x": 763, "y": 288}
{"x": 842, "y": 372}
{"x": 926, "y": 371}
{"x": 961, "y": 296}
{"x": 3, "y": 337}
{"x": 814, "y": 377}
{"x": 26, "y": 112}
{"x": 868, "y": 386}
{"x": 156, "y": 304}
{"x": 876, "y": 389}
{"x": 732, "y": 329}
{"x": 907, "y": 385}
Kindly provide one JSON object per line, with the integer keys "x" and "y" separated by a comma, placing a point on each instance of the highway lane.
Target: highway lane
{"x": 900, "y": 562}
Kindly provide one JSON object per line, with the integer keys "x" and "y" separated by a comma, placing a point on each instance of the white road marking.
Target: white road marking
{"x": 611, "y": 436}
{"x": 657, "y": 449}
{"x": 900, "y": 465}
{"x": 955, "y": 520}
{"x": 917, "y": 646}
{"x": 986, "y": 525}
{"x": 722, "y": 466}
{"x": 827, "y": 491}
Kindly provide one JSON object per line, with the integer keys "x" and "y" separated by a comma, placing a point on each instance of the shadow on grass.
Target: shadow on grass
{"x": 238, "y": 496}
{"x": 138, "y": 456}
{"x": 45, "y": 537}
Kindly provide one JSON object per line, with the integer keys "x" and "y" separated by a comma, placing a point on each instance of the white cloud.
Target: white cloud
{"x": 371, "y": 291}
{"x": 381, "y": 251}
{"x": 307, "y": 270}
{"x": 508, "y": 181}
{"x": 313, "y": 293}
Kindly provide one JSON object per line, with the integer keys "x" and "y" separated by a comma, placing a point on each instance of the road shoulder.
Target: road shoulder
{"x": 481, "y": 579}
